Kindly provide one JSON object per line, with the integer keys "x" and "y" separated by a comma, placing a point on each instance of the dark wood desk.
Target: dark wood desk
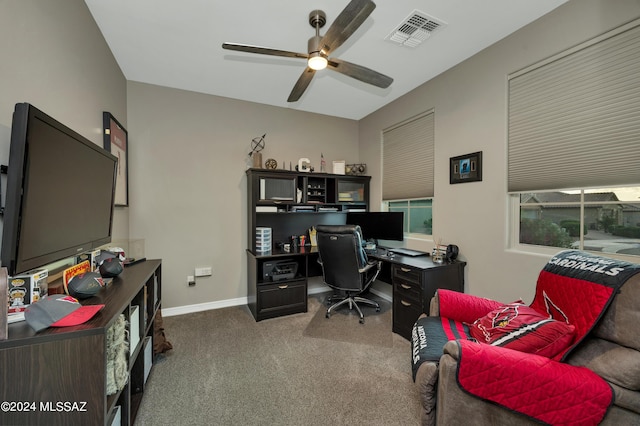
{"x": 414, "y": 280}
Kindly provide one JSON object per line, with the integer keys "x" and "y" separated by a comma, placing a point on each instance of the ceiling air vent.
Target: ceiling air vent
{"x": 415, "y": 29}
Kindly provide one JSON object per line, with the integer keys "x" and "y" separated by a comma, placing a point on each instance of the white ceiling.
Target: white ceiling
{"x": 178, "y": 44}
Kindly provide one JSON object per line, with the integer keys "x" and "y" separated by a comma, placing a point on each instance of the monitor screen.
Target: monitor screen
{"x": 379, "y": 225}
{"x": 60, "y": 193}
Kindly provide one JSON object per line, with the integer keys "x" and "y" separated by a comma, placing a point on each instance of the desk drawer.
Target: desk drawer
{"x": 406, "y": 273}
{"x": 407, "y": 290}
{"x": 285, "y": 297}
{"x": 407, "y": 282}
{"x": 405, "y": 313}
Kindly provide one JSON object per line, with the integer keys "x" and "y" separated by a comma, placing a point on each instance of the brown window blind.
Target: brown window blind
{"x": 407, "y": 158}
{"x": 574, "y": 119}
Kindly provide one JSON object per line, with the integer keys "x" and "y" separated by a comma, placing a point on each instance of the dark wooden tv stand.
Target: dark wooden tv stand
{"x": 68, "y": 365}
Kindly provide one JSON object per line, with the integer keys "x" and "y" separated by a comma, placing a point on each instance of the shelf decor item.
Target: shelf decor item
{"x": 257, "y": 145}
{"x": 116, "y": 142}
{"x": 271, "y": 164}
{"x": 304, "y": 165}
{"x": 466, "y": 168}
{"x": 355, "y": 169}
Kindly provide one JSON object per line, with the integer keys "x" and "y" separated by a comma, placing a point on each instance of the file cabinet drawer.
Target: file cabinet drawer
{"x": 283, "y": 298}
{"x": 406, "y": 289}
{"x": 405, "y": 314}
{"x": 407, "y": 274}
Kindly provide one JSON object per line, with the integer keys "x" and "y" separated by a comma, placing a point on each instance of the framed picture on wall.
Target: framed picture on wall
{"x": 466, "y": 168}
{"x": 116, "y": 142}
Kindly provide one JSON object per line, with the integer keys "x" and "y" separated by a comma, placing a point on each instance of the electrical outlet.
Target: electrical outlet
{"x": 191, "y": 280}
{"x": 203, "y": 272}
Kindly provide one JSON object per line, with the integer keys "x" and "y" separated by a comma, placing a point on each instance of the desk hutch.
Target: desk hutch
{"x": 289, "y": 203}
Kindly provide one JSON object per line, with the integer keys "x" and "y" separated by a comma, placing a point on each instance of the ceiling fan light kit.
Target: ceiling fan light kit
{"x": 319, "y": 48}
{"x": 317, "y": 62}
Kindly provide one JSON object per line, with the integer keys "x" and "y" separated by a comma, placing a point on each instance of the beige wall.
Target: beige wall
{"x": 54, "y": 57}
{"x": 470, "y": 115}
{"x": 188, "y": 150}
{"x": 188, "y": 156}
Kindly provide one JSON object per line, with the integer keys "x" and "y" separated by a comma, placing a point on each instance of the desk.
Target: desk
{"x": 414, "y": 281}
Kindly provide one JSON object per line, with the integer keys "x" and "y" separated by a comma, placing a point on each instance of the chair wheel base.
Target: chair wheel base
{"x": 327, "y": 315}
{"x": 361, "y": 320}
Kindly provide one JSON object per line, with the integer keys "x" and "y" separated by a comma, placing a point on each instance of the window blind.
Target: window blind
{"x": 407, "y": 158}
{"x": 574, "y": 119}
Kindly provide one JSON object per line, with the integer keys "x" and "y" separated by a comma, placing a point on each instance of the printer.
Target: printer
{"x": 278, "y": 270}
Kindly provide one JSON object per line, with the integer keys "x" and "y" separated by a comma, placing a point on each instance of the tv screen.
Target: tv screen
{"x": 60, "y": 193}
{"x": 379, "y": 225}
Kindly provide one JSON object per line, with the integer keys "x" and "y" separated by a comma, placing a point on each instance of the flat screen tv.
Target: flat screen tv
{"x": 60, "y": 193}
{"x": 379, "y": 225}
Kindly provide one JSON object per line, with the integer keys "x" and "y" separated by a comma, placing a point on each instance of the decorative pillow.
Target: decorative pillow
{"x": 519, "y": 327}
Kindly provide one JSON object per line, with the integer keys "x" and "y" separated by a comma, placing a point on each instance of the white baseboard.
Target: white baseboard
{"x": 189, "y": 309}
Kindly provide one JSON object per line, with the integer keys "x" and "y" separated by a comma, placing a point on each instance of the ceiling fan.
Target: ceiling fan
{"x": 320, "y": 47}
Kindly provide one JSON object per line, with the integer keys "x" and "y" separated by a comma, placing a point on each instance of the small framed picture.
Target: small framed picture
{"x": 466, "y": 168}
{"x": 116, "y": 142}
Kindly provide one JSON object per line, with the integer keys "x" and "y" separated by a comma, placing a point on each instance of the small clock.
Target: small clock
{"x": 271, "y": 164}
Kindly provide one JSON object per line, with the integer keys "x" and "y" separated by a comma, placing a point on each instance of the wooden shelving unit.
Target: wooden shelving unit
{"x": 69, "y": 364}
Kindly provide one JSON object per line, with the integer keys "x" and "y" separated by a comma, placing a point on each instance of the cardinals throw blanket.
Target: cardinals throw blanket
{"x": 574, "y": 288}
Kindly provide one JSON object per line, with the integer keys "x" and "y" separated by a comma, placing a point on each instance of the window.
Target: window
{"x": 602, "y": 220}
{"x": 418, "y": 218}
{"x": 572, "y": 123}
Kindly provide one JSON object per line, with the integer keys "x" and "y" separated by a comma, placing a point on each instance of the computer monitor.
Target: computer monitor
{"x": 379, "y": 225}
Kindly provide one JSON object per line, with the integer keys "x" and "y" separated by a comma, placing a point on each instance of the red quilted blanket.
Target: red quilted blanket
{"x": 574, "y": 287}
{"x": 550, "y": 391}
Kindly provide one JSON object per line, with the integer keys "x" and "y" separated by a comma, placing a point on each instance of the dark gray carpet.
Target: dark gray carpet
{"x": 227, "y": 369}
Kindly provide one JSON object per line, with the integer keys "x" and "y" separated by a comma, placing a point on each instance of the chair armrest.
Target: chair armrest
{"x": 530, "y": 384}
{"x": 370, "y": 264}
{"x": 461, "y": 306}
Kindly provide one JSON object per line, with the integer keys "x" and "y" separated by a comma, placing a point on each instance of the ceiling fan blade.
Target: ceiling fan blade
{"x": 364, "y": 74}
{"x": 263, "y": 50}
{"x": 301, "y": 85}
{"x": 346, "y": 24}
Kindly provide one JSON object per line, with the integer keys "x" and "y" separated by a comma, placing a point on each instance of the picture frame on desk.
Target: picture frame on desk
{"x": 116, "y": 141}
{"x": 339, "y": 167}
{"x": 465, "y": 168}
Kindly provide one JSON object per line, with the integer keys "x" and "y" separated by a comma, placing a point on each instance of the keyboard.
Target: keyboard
{"x": 408, "y": 252}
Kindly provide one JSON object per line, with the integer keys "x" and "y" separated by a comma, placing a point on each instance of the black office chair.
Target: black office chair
{"x": 345, "y": 266}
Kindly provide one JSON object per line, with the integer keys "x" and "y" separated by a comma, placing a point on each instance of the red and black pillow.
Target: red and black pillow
{"x": 519, "y": 327}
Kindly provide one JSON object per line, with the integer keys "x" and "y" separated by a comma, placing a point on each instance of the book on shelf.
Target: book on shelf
{"x": 303, "y": 208}
{"x": 266, "y": 209}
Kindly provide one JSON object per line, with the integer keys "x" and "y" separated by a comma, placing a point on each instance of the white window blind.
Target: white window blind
{"x": 407, "y": 159}
{"x": 574, "y": 119}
